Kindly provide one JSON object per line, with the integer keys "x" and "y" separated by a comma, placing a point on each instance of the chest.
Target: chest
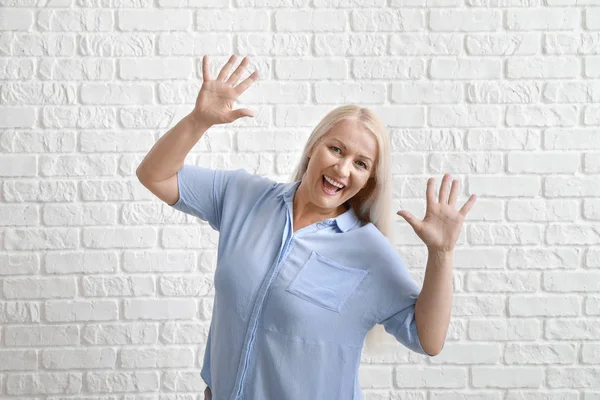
{"x": 299, "y": 281}
{"x": 316, "y": 296}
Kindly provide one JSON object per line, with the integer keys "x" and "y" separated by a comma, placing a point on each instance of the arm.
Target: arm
{"x": 158, "y": 170}
{"x": 434, "y": 304}
{"x": 439, "y": 230}
{"x": 166, "y": 157}
{"x": 400, "y": 293}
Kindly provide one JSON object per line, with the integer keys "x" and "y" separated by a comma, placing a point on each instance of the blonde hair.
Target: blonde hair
{"x": 374, "y": 202}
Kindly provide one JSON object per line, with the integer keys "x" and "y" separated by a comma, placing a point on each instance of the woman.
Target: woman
{"x": 305, "y": 269}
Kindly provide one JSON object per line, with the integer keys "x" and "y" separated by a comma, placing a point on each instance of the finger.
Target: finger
{"x": 246, "y": 83}
{"x": 453, "y": 192}
{"x": 468, "y": 205}
{"x": 411, "y": 219}
{"x": 205, "y": 69}
{"x": 226, "y": 68}
{"x": 430, "y": 191}
{"x": 238, "y": 72}
{"x": 240, "y": 113}
{"x": 444, "y": 189}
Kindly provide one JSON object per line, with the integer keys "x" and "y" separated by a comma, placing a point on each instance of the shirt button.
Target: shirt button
{"x": 320, "y": 225}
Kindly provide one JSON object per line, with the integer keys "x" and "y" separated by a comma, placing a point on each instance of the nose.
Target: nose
{"x": 343, "y": 167}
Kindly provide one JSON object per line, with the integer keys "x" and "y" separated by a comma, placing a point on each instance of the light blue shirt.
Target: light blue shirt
{"x": 291, "y": 309}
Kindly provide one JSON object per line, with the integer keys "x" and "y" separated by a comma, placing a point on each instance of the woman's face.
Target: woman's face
{"x": 347, "y": 154}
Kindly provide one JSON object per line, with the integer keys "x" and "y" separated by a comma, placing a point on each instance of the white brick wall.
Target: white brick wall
{"x": 106, "y": 293}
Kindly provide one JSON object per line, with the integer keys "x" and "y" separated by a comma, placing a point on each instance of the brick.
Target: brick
{"x": 503, "y": 44}
{"x": 14, "y": 19}
{"x": 109, "y": 93}
{"x": 387, "y": 20}
{"x": 159, "y": 309}
{"x": 154, "y": 20}
{"x": 117, "y": 45}
{"x": 242, "y": 20}
{"x": 330, "y": 20}
{"x": 44, "y": 383}
{"x": 542, "y": 67}
{"x": 543, "y": 19}
{"x": 155, "y": 68}
{"x": 425, "y": 44}
{"x": 80, "y": 310}
{"x": 36, "y": 288}
{"x": 465, "y": 20}
{"x": 17, "y": 117}
{"x": 463, "y": 68}
{"x": 75, "y": 21}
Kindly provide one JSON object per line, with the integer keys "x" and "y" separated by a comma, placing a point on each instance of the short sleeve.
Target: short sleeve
{"x": 399, "y": 319}
{"x": 202, "y": 192}
{"x": 403, "y": 326}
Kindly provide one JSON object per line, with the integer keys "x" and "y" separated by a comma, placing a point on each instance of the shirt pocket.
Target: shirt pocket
{"x": 325, "y": 282}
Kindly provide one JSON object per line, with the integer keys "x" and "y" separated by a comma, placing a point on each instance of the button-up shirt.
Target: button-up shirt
{"x": 292, "y": 309}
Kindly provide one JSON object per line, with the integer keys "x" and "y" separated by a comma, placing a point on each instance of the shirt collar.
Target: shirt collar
{"x": 344, "y": 221}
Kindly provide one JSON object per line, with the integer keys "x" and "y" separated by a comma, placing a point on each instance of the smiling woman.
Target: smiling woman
{"x": 337, "y": 170}
{"x": 305, "y": 269}
{"x": 351, "y": 146}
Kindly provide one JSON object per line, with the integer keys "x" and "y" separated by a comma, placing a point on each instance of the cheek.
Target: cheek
{"x": 362, "y": 182}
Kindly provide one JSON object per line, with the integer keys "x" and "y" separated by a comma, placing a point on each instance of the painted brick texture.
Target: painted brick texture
{"x": 106, "y": 293}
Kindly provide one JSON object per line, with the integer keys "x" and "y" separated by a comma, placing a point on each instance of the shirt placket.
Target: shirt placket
{"x": 258, "y": 306}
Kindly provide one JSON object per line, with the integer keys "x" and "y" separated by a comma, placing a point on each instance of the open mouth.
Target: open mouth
{"x": 329, "y": 188}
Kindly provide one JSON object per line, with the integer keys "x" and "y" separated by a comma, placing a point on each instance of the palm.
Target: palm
{"x": 216, "y": 101}
{"x": 442, "y": 223}
{"x": 438, "y": 225}
{"x": 214, "y": 104}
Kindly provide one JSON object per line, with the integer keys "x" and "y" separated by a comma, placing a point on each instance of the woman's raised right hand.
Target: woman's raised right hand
{"x": 214, "y": 104}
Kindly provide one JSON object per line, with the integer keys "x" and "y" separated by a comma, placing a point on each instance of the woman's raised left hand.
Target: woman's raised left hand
{"x": 441, "y": 226}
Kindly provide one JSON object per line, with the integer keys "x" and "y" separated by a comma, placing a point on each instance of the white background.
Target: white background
{"x": 106, "y": 291}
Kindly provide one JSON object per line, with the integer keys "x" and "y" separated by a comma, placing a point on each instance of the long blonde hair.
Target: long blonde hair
{"x": 374, "y": 202}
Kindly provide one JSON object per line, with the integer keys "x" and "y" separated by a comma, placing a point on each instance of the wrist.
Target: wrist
{"x": 443, "y": 253}
{"x": 198, "y": 124}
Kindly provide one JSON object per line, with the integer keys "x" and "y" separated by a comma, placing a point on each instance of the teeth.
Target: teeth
{"x": 333, "y": 182}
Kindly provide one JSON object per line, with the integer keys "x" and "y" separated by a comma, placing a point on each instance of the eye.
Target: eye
{"x": 334, "y": 148}
{"x": 363, "y": 164}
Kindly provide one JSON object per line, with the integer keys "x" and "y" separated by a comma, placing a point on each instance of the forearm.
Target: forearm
{"x": 434, "y": 304}
{"x": 166, "y": 157}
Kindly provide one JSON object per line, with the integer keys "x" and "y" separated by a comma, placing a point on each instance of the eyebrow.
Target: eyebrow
{"x": 344, "y": 146}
